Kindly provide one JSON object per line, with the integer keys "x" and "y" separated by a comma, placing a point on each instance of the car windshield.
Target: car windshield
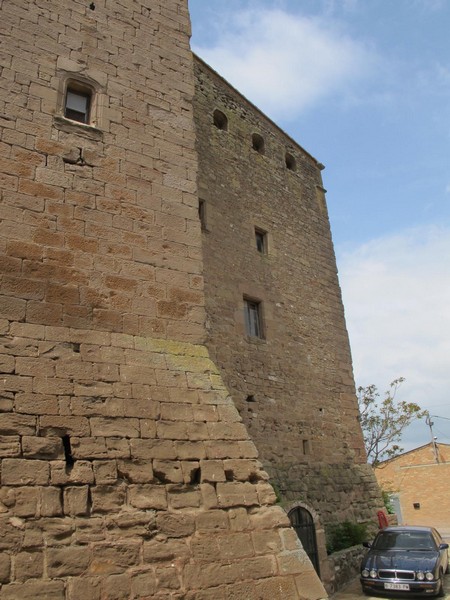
{"x": 404, "y": 540}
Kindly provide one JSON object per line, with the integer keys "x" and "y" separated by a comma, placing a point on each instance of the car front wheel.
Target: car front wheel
{"x": 441, "y": 591}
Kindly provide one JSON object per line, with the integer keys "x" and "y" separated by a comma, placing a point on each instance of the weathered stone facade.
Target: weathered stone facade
{"x": 126, "y": 469}
{"x": 294, "y": 388}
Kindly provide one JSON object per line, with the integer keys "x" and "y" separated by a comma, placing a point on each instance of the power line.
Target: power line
{"x": 438, "y": 417}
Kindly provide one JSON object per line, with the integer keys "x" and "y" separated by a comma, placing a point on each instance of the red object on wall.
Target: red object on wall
{"x": 382, "y": 519}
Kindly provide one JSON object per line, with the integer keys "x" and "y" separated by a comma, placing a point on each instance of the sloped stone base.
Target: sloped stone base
{"x": 127, "y": 473}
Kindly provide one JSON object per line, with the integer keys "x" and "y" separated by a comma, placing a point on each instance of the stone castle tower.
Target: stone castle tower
{"x": 127, "y": 470}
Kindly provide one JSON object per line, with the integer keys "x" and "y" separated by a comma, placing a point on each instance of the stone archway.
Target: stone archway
{"x": 305, "y": 521}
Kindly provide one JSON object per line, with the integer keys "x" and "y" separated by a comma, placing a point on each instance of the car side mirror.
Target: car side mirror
{"x": 443, "y": 546}
{"x": 367, "y": 544}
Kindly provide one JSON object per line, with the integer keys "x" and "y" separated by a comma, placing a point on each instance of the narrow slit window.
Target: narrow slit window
{"x": 202, "y": 213}
{"x": 261, "y": 240}
{"x": 70, "y": 461}
{"x": 253, "y": 318}
{"x": 77, "y": 106}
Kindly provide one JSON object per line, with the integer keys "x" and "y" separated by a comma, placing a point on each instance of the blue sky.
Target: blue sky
{"x": 364, "y": 86}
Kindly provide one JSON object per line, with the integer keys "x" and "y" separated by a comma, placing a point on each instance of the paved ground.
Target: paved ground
{"x": 353, "y": 592}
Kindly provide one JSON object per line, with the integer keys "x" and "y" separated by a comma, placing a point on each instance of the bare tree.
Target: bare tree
{"x": 384, "y": 419}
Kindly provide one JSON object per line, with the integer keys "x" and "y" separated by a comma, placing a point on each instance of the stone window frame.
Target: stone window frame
{"x": 262, "y": 241}
{"x": 70, "y": 81}
{"x": 76, "y": 90}
{"x": 254, "y": 318}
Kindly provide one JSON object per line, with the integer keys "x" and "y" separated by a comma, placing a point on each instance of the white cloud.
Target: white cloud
{"x": 285, "y": 62}
{"x": 397, "y": 298}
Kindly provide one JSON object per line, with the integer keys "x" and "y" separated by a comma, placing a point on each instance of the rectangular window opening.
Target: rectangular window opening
{"x": 261, "y": 240}
{"x": 77, "y": 104}
{"x": 202, "y": 214}
{"x": 253, "y": 318}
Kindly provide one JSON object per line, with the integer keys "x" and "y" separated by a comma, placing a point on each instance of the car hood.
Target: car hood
{"x": 408, "y": 560}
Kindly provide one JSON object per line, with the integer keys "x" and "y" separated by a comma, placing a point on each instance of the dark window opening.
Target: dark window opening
{"x": 290, "y": 162}
{"x": 196, "y": 476}
{"x": 306, "y": 447}
{"x": 258, "y": 143}
{"x": 261, "y": 240}
{"x": 220, "y": 120}
{"x": 202, "y": 213}
{"x": 250, "y": 398}
{"x": 253, "y": 318}
{"x": 70, "y": 461}
{"x": 77, "y": 105}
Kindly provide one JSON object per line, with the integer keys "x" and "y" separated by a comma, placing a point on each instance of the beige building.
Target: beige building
{"x": 419, "y": 481}
{"x": 175, "y": 367}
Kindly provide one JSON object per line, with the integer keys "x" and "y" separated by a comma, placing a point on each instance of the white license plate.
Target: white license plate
{"x": 397, "y": 586}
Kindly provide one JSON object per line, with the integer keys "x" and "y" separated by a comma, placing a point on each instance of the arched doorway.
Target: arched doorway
{"x": 303, "y": 523}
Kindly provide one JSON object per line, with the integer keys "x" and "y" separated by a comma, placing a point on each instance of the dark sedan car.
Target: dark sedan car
{"x": 405, "y": 560}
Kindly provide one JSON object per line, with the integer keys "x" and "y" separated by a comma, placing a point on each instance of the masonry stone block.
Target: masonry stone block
{"x": 9, "y": 446}
{"x": 135, "y": 471}
{"x": 117, "y": 587}
{"x": 26, "y": 501}
{"x": 109, "y": 427}
{"x": 81, "y": 472}
{"x": 28, "y": 565}
{"x": 16, "y": 424}
{"x": 176, "y": 525}
{"x": 5, "y": 568}
{"x": 212, "y": 520}
{"x": 105, "y": 471}
{"x": 107, "y": 498}
{"x": 51, "y": 502}
{"x": 34, "y": 590}
{"x": 144, "y": 584}
{"x": 81, "y": 588}
{"x": 42, "y": 447}
{"x": 59, "y": 426}
{"x": 114, "y": 557}
{"x": 146, "y": 449}
{"x": 76, "y": 500}
{"x": 90, "y": 447}
{"x": 24, "y": 472}
{"x": 236, "y": 494}
{"x": 68, "y": 560}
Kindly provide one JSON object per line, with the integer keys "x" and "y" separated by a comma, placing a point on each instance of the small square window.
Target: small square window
{"x": 78, "y": 104}
{"x": 253, "y": 318}
{"x": 261, "y": 240}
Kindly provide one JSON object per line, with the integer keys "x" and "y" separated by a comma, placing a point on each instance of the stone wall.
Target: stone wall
{"x": 293, "y": 387}
{"x": 126, "y": 471}
{"x": 345, "y": 566}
